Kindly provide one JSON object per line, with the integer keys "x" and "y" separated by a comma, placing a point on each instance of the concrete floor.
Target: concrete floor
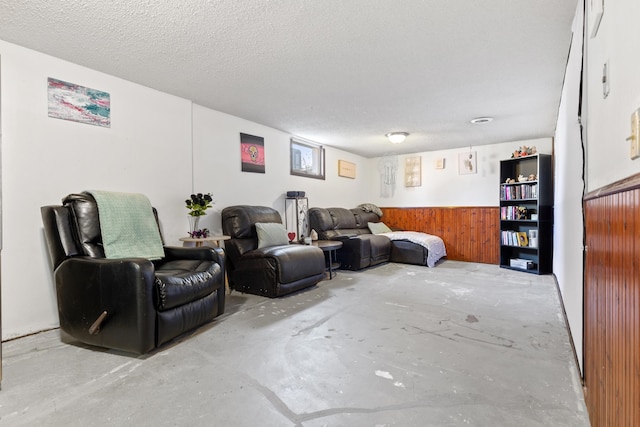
{"x": 396, "y": 345}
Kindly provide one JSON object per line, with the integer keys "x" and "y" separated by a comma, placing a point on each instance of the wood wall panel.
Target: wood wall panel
{"x": 612, "y": 306}
{"x": 469, "y": 233}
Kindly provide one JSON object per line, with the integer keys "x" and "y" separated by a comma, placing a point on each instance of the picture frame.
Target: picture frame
{"x": 307, "y": 159}
{"x": 252, "y": 153}
{"x": 346, "y": 169}
{"x": 413, "y": 171}
{"x": 596, "y": 10}
{"x": 467, "y": 163}
{"x": 69, "y": 101}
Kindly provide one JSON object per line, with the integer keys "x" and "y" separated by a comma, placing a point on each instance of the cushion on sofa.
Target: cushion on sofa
{"x": 271, "y": 234}
{"x": 378, "y": 227}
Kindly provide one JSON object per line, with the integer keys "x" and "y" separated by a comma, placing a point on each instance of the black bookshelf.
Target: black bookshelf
{"x": 526, "y": 214}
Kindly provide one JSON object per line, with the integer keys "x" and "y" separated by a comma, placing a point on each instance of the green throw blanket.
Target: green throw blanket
{"x": 128, "y": 226}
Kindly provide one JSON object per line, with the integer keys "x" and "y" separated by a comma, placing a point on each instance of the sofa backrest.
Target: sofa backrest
{"x": 364, "y": 218}
{"x": 342, "y": 219}
{"x": 86, "y": 221}
{"x": 332, "y": 223}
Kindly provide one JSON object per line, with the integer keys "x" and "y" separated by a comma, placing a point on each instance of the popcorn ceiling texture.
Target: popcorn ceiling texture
{"x": 342, "y": 73}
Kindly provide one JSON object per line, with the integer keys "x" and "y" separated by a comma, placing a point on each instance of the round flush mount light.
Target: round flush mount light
{"x": 481, "y": 120}
{"x": 397, "y": 137}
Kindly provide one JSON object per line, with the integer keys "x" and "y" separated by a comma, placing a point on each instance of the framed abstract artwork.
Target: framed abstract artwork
{"x": 68, "y": 101}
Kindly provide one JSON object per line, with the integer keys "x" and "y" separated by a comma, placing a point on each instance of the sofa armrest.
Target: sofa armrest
{"x": 343, "y": 237}
{"x": 123, "y": 288}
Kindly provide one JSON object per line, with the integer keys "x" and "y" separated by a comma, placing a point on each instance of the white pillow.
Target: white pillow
{"x": 271, "y": 234}
{"x": 378, "y": 227}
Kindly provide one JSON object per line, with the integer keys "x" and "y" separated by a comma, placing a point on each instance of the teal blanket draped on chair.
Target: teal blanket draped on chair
{"x": 128, "y": 225}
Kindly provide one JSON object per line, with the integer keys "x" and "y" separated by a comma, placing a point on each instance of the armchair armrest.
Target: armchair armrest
{"x": 201, "y": 253}
{"x": 87, "y": 287}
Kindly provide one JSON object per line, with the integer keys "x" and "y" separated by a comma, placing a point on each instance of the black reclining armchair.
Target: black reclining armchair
{"x": 128, "y": 304}
{"x": 273, "y": 270}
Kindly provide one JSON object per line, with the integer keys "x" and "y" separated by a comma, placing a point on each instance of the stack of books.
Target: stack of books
{"x": 525, "y": 264}
{"x": 515, "y": 192}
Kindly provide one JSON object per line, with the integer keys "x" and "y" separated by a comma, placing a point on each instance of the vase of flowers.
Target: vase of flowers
{"x": 198, "y": 205}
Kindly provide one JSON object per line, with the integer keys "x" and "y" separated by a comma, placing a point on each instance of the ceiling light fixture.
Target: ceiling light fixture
{"x": 481, "y": 120}
{"x": 397, "y": 137}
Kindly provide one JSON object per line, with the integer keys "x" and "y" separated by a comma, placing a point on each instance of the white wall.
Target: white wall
{"x": 147, "y": 149}
{"x": 446, "y": 187}
{"x": 568, "y": 222}
{"x": 608, "y": 120}
{"x": 217, "y": 168}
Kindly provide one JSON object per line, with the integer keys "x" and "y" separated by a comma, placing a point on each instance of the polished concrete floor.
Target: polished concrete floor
{"x": 461, "y": 344}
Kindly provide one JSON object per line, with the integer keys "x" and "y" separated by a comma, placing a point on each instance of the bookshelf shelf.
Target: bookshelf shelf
{"x": 526, "y": 215}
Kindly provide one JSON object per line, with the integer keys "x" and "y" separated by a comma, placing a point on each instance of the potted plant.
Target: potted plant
{"x": 198, "y": 205}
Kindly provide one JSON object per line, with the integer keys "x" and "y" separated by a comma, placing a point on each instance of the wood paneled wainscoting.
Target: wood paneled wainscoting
{"x": 469, "y": 233}
{"x": 612, "y": 304}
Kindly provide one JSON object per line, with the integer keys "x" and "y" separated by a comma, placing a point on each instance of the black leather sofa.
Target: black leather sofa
{"x": 128, "y": 304}
{"x": 270, "y": 271}
{"x": 360, "y": 248}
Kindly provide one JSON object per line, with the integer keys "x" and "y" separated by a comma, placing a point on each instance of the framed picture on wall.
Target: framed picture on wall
{"x": 69, "y": 101}
{"x": 252, "y": 153}
{"x": 413, "y": 171}
{"x": 467, "y": 163}
{"x": 346, "y": 169}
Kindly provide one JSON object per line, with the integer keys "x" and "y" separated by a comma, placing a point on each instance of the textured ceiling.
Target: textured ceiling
{"x": 339, "y": 72}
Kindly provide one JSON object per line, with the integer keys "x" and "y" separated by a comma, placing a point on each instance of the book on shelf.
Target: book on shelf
{"x": 516, "y": 238}
{"x": 519, "y": 191}
{"x": 510, "y": 213}
{"x": 522, "y": 238}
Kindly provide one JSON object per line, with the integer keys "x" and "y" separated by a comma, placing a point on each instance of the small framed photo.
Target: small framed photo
{"x": 346, "y": 169}
{"x": 467, "y": 163}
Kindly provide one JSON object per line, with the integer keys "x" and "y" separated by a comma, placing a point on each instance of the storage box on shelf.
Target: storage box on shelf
{"x": 526, "y": 214}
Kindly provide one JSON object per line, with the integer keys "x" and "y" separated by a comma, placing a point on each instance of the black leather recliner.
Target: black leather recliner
{"x": 128, "y": 304}
{"x": 270, "y": 271}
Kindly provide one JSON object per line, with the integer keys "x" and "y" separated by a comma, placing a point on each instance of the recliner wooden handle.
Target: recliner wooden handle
{"x": 95, "y": 327}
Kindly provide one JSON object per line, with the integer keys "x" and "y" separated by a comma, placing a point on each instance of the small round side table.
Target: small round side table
{"x": 200, "y": 240}
{"x": 329, "y": 247}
